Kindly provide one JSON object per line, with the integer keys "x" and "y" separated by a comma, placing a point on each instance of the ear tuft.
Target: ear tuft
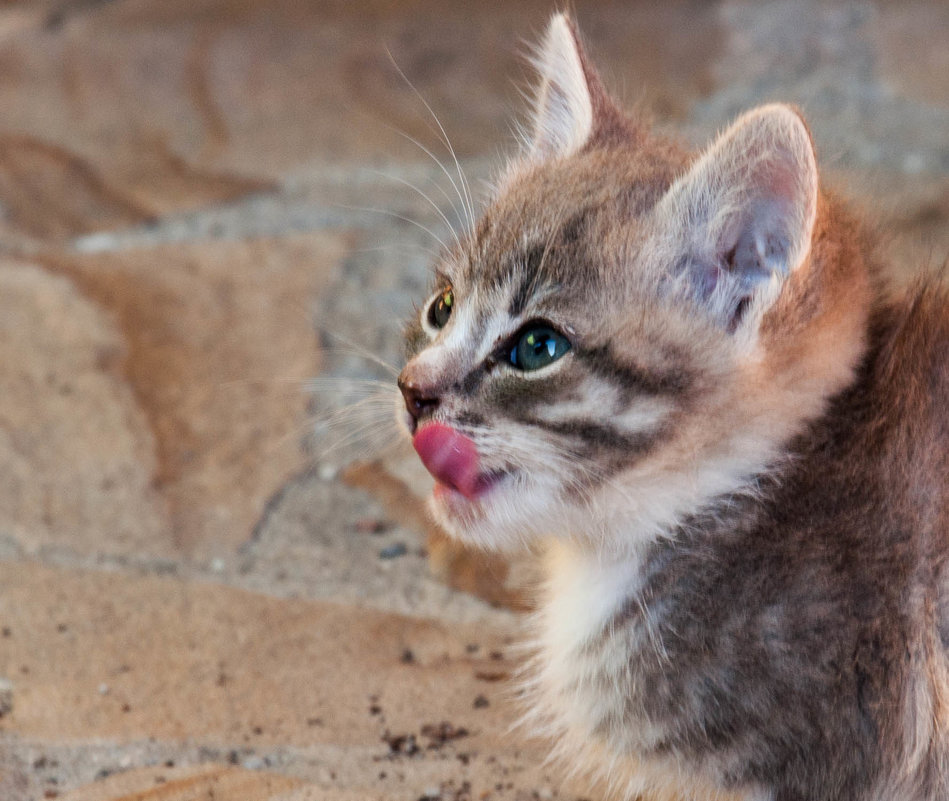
{"x": 743, "y": 215}
{"x": 563, "y": 106}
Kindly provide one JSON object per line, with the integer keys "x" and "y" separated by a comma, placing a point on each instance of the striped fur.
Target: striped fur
{"x": 739, "y": 468}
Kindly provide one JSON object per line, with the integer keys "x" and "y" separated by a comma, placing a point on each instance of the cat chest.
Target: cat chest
{"x": 591, "y": 653}
{"x": 600, "y": 666}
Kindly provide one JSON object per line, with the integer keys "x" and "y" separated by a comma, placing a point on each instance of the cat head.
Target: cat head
{"x": 629, "y": 331}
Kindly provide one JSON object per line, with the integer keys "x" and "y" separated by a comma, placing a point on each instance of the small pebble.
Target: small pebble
{"x": 217, "y": 565}
{"x": 103, "y": 689}
{"x": 372, "y": 525}
{"x": 253, "y": 763}
{"x": 393, "y": 551}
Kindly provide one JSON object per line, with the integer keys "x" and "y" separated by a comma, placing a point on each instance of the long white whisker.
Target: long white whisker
{"x": 376, "y": 397}
{"x": 466, "y": 199}
{"x": 431, "y": 202}
{"x": 360, "y": 409}
{"x": 354, "y": 434}
{"x": 396, "y": 246}
{"x": 466, "y": 217}
{"x": 347, "y": 384}
{"x": 361, "y": 351}
{"x": 402, "y": 217}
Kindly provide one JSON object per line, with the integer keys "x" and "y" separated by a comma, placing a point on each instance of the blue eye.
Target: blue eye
{"x": 537, "y": 347}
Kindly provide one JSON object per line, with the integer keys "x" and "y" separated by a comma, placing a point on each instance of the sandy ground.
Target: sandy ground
{"x": 211, "y": 586}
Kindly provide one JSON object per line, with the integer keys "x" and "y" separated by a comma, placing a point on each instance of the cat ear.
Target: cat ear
{"x": 563, "y": 104}
{"x": 742, "y": 217}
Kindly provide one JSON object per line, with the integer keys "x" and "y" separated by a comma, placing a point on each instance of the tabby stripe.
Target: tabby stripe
{"x": 469, "y": 419}
{"x": 632, "y": 379}
{"x": 601, "y": 435}
{"x": 528, "y": 283}
{"x": 469, "y": 385}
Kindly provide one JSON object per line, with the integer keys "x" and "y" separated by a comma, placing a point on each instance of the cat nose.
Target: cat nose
{"x": 419, "y": 400}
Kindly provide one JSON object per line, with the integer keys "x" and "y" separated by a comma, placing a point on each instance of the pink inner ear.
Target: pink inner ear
{"x": 449, "y": 456}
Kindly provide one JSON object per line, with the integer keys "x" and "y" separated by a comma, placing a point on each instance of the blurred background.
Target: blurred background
{"x": 214, "y": 216}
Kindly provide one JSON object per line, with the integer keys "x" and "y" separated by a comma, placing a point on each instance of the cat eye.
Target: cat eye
{"x": 440, "y": 310}
{"x": 537, "y": 347}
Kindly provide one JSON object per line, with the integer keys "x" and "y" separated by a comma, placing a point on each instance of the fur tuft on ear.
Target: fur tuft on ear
{"x": 741, "y": 219}
{"x": 563, "y": 105}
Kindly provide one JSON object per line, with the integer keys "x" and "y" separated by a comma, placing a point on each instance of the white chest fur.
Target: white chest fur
{"x": 583, "y": 660}
{"x": 583, "y": 688}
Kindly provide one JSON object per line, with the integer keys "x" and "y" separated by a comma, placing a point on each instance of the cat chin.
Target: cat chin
{"x": 476, "y": 530}
{"x": 499, "y": 520}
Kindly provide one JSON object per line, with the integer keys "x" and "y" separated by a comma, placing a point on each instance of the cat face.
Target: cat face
{"x": 607, "y": 349}
{"x": 531, "y": 366}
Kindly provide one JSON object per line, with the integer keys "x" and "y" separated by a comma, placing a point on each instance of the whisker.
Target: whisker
{"x": 324, "y": 383}
{"x": 462, "y": 216}
{"x": 353, "y": 418}
{"x": 359, "y": 434}
{"x": 402, "y": 217}
{"x": 466, "y": 198}
{"x": 345, "y": 415}
{"x": 359, "y": 350}
{"x": 373, "y": 450}
{"x": 304, "y": 433}
{"x": 431, "y": 202}
{"x": 397, "y": 246}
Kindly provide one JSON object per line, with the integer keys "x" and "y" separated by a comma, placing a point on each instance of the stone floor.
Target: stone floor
{"x": 211, "y": 224}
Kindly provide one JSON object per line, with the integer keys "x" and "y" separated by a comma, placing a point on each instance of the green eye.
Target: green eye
{"x": 538, "y": 347}
{"x": 440, "y": 310}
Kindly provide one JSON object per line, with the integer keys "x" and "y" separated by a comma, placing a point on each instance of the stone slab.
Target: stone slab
{"x": 338, "y": 696}
{"x": 76, "y": 454}
{"x": 218, "y": 342}
{"x": 218, "y": 782}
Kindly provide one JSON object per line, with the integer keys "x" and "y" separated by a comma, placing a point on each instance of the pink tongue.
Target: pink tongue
{"x": 450, "y": 457}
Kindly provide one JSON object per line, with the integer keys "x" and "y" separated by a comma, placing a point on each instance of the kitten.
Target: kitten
{"x": 683, "y": 374}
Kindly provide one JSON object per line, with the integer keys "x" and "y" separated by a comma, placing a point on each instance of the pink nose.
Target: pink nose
{"x": 449, "y": 456}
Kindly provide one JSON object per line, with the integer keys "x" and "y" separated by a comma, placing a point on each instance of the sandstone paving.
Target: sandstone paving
{"x": 204, "y": 325}
{"x": 76, "y": 453}
{"x": 144, "y": 409}
{"x": 103, "y": 656}
{"x": 185, "y": 784}
{"x": 214, "y": 569}
{"x": 122, "y": 112}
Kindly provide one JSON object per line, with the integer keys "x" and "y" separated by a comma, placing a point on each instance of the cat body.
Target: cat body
{"x": 801, "y": 633}
{"x": 684, "y": 376}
